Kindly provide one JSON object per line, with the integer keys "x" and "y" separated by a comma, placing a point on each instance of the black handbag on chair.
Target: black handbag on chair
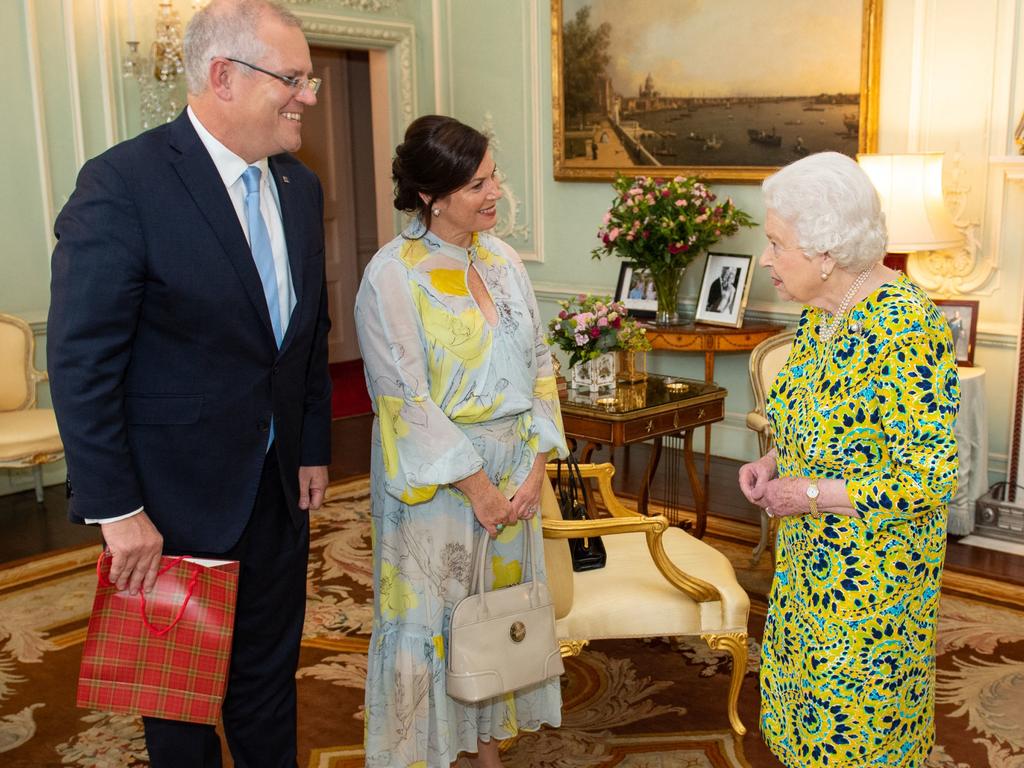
{"x": 588, "y": 553}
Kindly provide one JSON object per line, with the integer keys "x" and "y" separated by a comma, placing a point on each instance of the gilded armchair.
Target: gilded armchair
{"x": 28, "y": 435}
{"x": 766, "y": 360}
{"x": 658, "y": 582}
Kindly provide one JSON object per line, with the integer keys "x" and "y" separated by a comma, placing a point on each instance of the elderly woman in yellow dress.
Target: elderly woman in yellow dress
{"x": 466, "y": 415}
{"x": 864, "y": 464}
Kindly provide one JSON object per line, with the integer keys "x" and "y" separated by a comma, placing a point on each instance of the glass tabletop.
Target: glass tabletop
{"x": 656, "y": 392}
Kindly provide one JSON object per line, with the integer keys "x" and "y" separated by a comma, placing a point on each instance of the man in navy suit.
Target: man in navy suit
{"x": 187, "y": 347}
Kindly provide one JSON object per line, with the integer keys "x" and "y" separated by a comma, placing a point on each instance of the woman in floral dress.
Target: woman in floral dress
{"x": 466, "y": 416}
{"x": 864, "y": 465}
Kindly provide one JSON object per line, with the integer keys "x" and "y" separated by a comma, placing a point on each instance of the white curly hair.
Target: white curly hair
{"x": 833, "y": 207}
{"x": 227, "y": 28}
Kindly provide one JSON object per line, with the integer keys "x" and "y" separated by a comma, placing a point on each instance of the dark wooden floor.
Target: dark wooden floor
{"x": 30, "y": 529}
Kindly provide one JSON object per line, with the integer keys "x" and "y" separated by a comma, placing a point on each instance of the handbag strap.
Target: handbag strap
{"x": 485, "y": 543}
{"x": 105, "y": 581}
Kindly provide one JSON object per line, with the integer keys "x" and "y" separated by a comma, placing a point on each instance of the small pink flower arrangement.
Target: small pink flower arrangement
{"x": 588, "y": 326}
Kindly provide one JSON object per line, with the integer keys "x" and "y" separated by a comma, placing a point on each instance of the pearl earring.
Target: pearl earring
{"x": 824, "y": 276}
{"x": 435, "y": 211}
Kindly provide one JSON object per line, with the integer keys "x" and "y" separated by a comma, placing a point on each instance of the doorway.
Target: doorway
{"x": 337, "y": 144}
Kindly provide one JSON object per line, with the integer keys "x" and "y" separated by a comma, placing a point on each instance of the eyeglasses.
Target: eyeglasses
{"x": 295, "y": 83}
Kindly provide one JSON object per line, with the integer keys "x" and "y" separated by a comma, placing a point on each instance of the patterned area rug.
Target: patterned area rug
{"x": 636, "y": 704}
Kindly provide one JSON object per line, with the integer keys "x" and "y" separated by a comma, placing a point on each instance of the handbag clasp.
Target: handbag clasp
{"x": 517, "y": 631}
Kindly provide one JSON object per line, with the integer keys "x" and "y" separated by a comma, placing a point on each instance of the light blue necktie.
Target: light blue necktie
{"x": 262, "y": 254}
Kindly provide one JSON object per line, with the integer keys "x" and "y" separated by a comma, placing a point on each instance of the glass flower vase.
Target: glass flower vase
{"x": 666, "y": 283}
{"x": 592, "y": 375}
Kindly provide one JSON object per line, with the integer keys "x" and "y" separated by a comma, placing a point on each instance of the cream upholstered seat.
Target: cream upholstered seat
{"x": 658, "y": 581}
{"x": 766, "y": 360}
{"x": 28, "y": 435}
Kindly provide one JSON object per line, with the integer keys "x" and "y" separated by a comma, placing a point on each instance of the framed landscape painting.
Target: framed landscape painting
{"x": 728, "y": 91}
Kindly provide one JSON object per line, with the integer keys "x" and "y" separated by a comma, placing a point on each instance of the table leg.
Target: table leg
{"x": 645, "y": 487}
{"x": 709, "y": 376}
{"x": 699, "y": 496}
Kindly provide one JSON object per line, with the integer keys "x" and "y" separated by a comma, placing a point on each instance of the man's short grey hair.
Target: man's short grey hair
{"x": 833, "y": 207}
{"x": 227, "y": 28}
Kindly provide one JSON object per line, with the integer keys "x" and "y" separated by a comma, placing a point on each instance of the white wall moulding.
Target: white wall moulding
{"x": 511, "y": 118}
{"x": 39, "y": 121}
{"x": 509, "y": 207}
{"x": 397, "y": 38}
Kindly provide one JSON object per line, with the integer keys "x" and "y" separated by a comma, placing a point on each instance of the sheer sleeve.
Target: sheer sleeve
{"x": 547, "y": 433}
{"x": 422, "y": 448}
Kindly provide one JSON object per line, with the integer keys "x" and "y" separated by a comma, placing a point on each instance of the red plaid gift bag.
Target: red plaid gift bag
{"x": 164, "y": 654}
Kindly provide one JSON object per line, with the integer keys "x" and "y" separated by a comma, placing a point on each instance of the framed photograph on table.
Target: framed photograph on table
{"x": 723, "y": 289}
{"x": 962, "y": 317}
{"x": 636, "y": 290}
{"x": 626, "y": 100}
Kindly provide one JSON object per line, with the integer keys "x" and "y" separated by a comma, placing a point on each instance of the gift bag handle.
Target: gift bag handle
{"x": 159, "y": 632}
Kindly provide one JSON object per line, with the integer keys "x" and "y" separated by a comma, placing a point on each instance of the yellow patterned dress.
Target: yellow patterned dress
{"x": 848, "y": 660}
{"x": 452, "y": 395}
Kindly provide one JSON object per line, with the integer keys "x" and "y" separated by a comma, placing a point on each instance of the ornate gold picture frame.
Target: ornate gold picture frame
{"x": 672, "y": 87}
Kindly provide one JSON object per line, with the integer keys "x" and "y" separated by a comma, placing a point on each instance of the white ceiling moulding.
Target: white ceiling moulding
{"x": 371, "y": 6}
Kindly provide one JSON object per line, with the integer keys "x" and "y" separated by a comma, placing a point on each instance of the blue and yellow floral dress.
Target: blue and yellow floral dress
{"x": 848, "y": 660}
{"x": 452, "y": 395}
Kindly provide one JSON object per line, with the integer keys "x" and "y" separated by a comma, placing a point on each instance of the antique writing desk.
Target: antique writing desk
{"x": 709, "y": 339}
{"x": 653, "y": 409}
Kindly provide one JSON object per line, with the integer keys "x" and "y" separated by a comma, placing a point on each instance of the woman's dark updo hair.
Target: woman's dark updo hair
{"x": 439, "y": 155}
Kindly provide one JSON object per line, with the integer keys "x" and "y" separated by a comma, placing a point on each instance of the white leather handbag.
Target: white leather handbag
{"x": 502, "y": 640}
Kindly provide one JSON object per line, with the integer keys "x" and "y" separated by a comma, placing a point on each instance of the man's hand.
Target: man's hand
{"x": 135, "y": 545}
{"x": 312, "y": 486}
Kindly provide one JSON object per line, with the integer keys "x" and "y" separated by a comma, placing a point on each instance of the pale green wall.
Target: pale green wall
{"x": 488, "y": 63}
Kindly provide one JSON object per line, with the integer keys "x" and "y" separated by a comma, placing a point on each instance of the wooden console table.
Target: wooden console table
{"x": 656, "y": 408}
{"x": 709, "y": 339}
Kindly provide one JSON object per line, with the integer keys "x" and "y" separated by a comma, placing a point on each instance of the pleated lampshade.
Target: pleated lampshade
{"x": 910, "y": 188}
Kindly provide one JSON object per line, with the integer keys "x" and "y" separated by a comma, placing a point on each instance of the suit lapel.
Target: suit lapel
{"x": 199, "y": 175}
{"x": 292, "y": 215}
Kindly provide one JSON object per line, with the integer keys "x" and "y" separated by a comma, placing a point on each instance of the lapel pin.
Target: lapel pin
{"x": 286, "y": 180}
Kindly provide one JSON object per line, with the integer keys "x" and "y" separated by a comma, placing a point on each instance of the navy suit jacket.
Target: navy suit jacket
{"x": 163, "y": 367}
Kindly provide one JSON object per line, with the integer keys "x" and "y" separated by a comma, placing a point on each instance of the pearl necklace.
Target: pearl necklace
{"x": 826, "y": 330}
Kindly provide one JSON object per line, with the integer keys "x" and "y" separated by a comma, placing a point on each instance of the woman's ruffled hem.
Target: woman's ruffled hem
{"x": 414, "y": 720}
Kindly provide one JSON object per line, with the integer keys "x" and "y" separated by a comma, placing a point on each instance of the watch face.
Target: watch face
{"x": 812, "y": 491}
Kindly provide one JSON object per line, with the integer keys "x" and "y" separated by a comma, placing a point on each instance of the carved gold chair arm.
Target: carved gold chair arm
{"x": 603, "y": 473}
{"x": 652, "y": 527}
{"x": 605, "y": 526}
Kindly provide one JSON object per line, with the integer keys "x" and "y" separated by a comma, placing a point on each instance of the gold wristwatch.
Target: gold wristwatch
{"x": 812, "y": 497}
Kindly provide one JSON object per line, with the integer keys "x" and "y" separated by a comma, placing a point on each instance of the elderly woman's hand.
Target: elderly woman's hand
{"x": 754, "y": 478}
{"x": 786, "y": 496}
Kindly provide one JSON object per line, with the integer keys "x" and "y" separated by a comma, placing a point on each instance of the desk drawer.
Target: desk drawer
{"x": 673, "y": 421}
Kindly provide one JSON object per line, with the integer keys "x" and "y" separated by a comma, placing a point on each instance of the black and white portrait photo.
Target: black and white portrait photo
{"x": 723, "y": 291}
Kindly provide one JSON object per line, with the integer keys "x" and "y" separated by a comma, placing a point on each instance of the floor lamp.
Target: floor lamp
{"x": 910, "y": 188}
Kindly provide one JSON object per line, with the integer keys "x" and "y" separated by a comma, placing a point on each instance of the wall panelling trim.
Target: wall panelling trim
{"x": 399, "y": 39}
{"x": 39, "y": 120}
